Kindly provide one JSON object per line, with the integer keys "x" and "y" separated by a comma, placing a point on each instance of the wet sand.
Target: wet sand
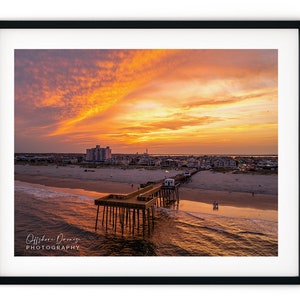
{"x": 235, "y": 190}
{"x": 100, "y": 186}
{"x": 229, "y": 211}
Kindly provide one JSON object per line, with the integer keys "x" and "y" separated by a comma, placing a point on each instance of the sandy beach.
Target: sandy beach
{"x": 245, "y": 223}
{"x": 206, "y": 186}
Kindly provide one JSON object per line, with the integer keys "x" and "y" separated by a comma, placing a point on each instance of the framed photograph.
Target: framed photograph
{"x": 149, "y": 152}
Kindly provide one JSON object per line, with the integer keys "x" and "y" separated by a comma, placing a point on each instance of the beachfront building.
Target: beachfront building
{"x": 98, "y": 154}
{"x": 193, "y": 163}
{"x": 224, "y": 162}
{"x": 169, "y": 163}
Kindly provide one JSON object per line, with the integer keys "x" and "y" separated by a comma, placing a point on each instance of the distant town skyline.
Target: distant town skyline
{"x": 166, "y": 101}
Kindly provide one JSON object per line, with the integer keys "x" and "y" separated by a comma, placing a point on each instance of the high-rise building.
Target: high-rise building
{"x": 98, "y": 154}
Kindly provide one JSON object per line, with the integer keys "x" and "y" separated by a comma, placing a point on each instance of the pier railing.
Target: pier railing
{"x": 135, "y": 212}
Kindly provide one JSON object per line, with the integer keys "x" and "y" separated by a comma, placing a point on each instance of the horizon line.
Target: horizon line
{"x": 162, "y": 154}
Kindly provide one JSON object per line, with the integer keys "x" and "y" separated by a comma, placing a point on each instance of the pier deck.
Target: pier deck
{"x": 137, "y": 209}
{"x": 140, "y": 199}
{"x": 134, "y": 210}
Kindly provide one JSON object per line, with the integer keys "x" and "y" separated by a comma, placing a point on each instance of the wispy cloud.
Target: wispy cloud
{"x": 76, "y": 98}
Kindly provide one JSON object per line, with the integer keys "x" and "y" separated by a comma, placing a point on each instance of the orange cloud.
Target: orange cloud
{"x": 133, "y": 97}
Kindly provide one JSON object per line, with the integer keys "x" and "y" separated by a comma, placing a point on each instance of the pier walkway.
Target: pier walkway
{"x": 135, "y": 212}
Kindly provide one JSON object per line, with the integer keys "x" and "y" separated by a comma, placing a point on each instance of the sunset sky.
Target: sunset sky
{"x": 169, "y": 101}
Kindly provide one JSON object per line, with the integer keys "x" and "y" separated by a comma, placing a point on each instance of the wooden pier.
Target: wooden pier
{"x": 134, "y": 212}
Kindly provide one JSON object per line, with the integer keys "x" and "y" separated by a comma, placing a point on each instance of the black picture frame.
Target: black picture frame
{"x": 154, "y": 280}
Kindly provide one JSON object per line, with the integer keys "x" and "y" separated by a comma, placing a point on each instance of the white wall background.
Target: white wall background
{"x": 154, "y": 9}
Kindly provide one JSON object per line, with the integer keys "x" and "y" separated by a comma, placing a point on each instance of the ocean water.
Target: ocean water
{"x": 61, "y": 222}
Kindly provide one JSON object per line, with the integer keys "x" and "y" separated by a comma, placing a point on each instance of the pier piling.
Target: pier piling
{"x": 135, "y": 210}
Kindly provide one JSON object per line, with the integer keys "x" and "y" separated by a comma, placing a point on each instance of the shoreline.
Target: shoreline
{"x": 207, "y": 196}
{"x": 192, "y": 207}
{"x": 205, "y": 180}
{"x": 239, "y": 195}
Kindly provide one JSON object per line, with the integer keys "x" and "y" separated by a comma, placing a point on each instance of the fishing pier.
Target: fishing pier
{"x": 135, "y": 212}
